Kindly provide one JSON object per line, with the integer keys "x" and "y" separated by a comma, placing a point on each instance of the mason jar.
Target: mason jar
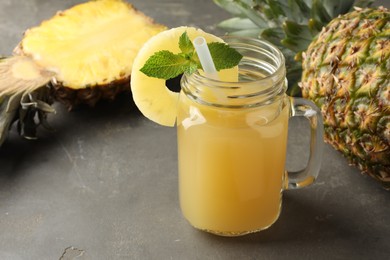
{"x": 232, "y": 142}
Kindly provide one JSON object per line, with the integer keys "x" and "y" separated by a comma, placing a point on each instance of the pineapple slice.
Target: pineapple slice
{"x": 151, "y": 95}
{"x": 90, "y": 47}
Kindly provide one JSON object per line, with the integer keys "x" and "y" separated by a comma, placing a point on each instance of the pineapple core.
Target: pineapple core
{"x": 90, "y": 44}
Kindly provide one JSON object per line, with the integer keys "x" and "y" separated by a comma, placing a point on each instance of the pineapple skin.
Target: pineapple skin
{"x": 346, "y": 73}
{"x": 89, "y": 96}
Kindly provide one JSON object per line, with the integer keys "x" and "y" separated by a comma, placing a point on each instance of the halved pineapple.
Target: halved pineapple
{"x": 90, "y": 47}
{"x": 85, "y": 53}
{"x": 151, "y": 95}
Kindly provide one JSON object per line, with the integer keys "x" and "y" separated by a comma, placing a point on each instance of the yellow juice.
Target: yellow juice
{"x": 231, "y": 165}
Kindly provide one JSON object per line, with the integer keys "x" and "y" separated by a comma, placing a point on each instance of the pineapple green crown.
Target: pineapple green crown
{"x": 289, "y": 24}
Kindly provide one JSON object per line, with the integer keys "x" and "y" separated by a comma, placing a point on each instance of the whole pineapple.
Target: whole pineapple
{"x": 346, "y": 72}
{"x": 345, "y": 69}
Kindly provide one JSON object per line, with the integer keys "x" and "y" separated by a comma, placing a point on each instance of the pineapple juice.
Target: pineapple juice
{"x": 231, "y": 165}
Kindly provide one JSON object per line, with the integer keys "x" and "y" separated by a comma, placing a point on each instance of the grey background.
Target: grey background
{"x": 104, "y": 184}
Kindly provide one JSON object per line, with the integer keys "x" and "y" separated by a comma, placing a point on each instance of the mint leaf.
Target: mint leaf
{"x": 192, "y": 67}
{"x": 185, "y": 44}
{"x": 165, "y": 65}
{"x": 223, "y": 55}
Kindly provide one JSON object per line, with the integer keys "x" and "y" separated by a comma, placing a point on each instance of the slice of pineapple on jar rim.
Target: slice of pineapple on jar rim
{"x": 151, "y": 95}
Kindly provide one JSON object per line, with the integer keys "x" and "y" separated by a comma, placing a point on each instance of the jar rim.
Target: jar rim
{"x": 255, "y": 44}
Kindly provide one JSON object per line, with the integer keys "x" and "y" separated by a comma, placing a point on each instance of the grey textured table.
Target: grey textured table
{"x": 104, "y": 185}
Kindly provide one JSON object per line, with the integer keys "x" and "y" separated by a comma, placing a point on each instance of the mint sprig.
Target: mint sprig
{"x": 186, "y": 45}
{"x": 167, "y": 65}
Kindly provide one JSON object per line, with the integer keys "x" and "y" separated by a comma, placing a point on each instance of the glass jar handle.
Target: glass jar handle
{"x": 306, "y": 176}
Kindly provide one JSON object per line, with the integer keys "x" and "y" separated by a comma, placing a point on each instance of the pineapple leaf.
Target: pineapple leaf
{"x": 254, "y": 33}
{"x": 319, "y": 12}
{"x": 274, "y": 12}
{"x": 296, "y": 44}
{"x": 230, "y": 6}
{"x": 33, "y": 112}
{"x": 315, "y": 26}
{"x": 364, "y": 3}
{"x": 27, "y": 127}
{"x": 300, "y": 10}
{"x": 254, "y": 16}
{"x": 237, "y": 23}
{"x": 294, "y": 73}
{"x": 273, "y": 35}
{"x": 29, "y": 110}
{"x": 8, "y": 109}
{"x": 336, "y": 7}
{"x": 268, "y": 13}
{"x": 294, "y": 30}
{"x": 298, "y": 36}
{"x": 243, "y": 8}
{"x": 276, "y": 7}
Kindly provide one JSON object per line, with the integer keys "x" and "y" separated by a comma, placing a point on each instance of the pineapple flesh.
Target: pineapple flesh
{"x": 90, "y": 47}
{"x": 346, "y": 73}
